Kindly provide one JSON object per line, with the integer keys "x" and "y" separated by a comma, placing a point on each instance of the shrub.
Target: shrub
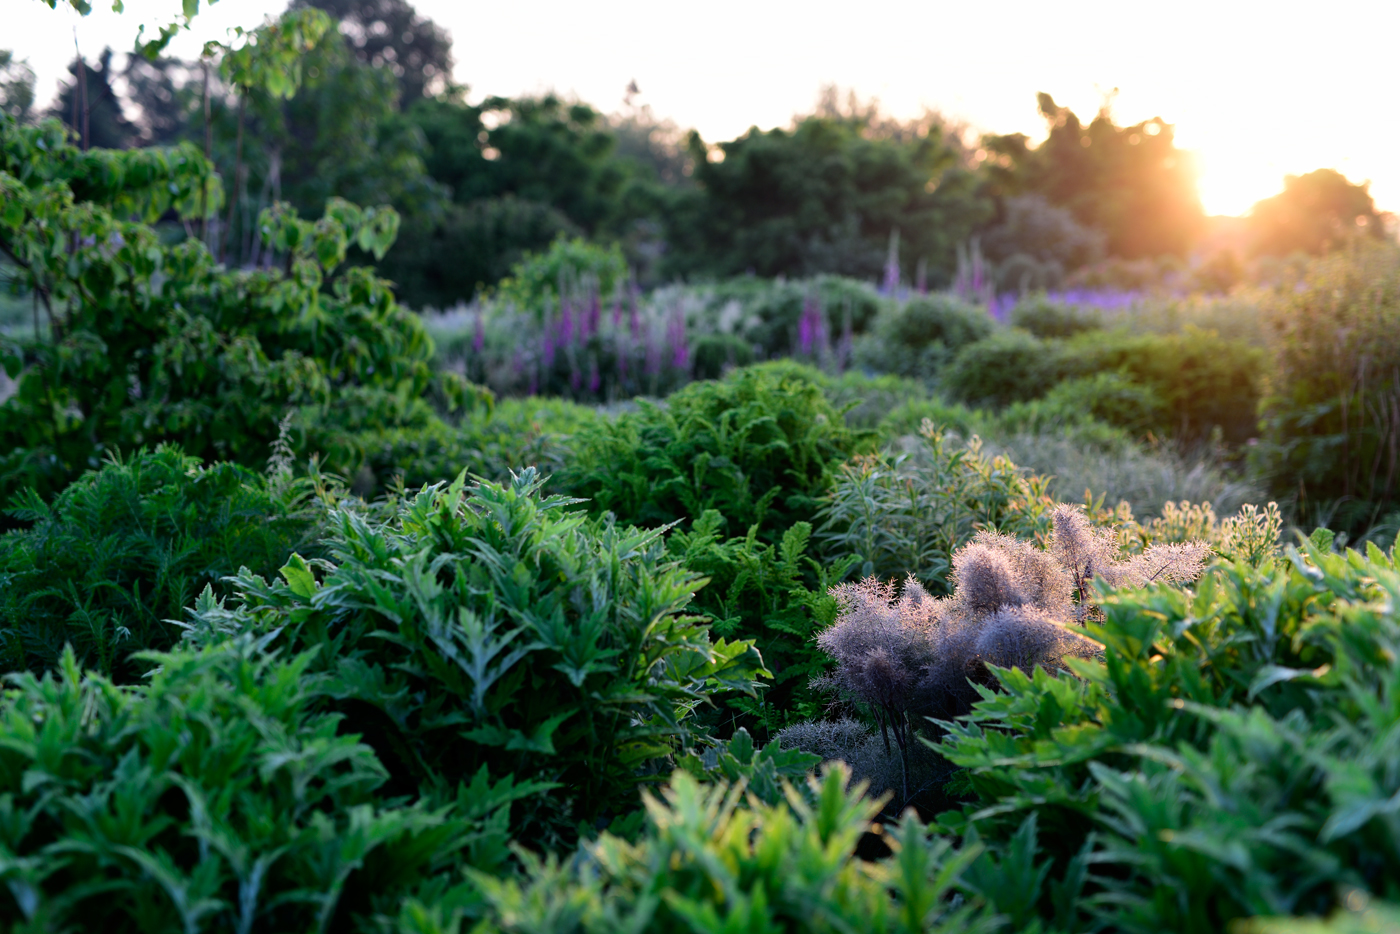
{"x": 918, "y": 337}
{"x": 1109, "y": 398}
{"x": 768, "y": 313}
{"x": 906, "y": 514}
{"x": 1044, "y": 317}
{"x": 1332, "y": 419}
{"x": 867, "y": 400}
{"x": 151, "y": 343}
{"x": 774, "y": 595}
{"x": 1203, "y": 382}
{"x": 440, "y": 261}
{"x": 215, "y": 798}
{"x": 116, "y": 557}
{"x": 759, "y": 446}
{"x": 539, "y": 277}
{"x": 495, "y": 628}
{"x": 1009, "y": 366}
{"x": 1230, "y": 756}
{"x": 516, "y": 433}
{"x": 708, "y": 862}
{"x": 717, "y": 354}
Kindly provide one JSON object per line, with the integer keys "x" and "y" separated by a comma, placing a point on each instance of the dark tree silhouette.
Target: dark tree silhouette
{"x": 89, "y": 104}
{"x": 392, "y": 33}
{"x": 1313, "y": 213}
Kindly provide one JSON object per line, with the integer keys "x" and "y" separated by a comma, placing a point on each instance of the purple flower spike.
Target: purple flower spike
{"x": 547, "y": 346}
{"x": 479, "y": 338}
{"x": 653, "y": 354}
{"x": 566, "y": 323}
{"x": 680, "y": 348}
{"x": 595, "y": 313}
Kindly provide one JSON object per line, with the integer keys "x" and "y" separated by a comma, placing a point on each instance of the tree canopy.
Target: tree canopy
{"x": 825, "y": 196}
{"x": 1130, "y": 182}
{"x": 1313, "y": 212}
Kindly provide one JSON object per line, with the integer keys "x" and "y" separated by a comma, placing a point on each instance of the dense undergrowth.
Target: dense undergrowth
{"x": 341, "y": 641}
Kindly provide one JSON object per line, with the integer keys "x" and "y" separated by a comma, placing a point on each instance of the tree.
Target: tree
{"x": 1314, "y": 212}
{"x": 1130, "y": 182}
{"x": 89, "y": 105}
{"x": 824, "y": 196}
{"x": 16, "y": 86}
{"x": 164, "y": 94}
{"x": 391, "y": 34}
{"x": 521, "y": 173}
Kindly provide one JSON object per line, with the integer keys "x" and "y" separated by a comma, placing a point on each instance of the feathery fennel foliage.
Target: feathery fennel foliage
{"x": 123, "y": 550}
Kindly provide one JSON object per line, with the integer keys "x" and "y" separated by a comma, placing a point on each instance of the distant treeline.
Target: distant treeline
{"x": 842, "y": 190}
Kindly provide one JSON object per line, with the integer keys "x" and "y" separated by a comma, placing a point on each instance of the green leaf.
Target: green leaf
{"x": 299, "y": 578}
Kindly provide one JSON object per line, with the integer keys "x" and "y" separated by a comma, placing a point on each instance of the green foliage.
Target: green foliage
{"x": 1131, "y": 182}
{"x": 1045, "y": 318}
{"x": 215, "y": 798}
{"x": 920, "y": 336}
{"x": 1010, "y": 366}
{"x": 151, "y": 343}
{"x": 764, "y": 771}
{"x": 710, "y": 864}
{"x": 773, "y": 594}
{"x": 537, "y": 279}
{"x": 759, "y": 446}
{"x": 1314, "y": 212}
{"x": 1203, "y": 382}
{"x": 514, "y": 433}
{"x": 906, "y": 514}
{"x": 1111, "y": 398}
{"x": 16, "y": 86}
{"x": 717, "y": 354}
{"x": 1360, "y": 917}
{"x": 1181, "y": 385}
{"x": 118, "y": 555}
{"x": 768, "y": 313}
{"x": 494, "y": 628}
{"x": 1230, "y": 756}
{"x": 1330, "y": 420}
{"x": 444, "y": 259}
{"x": 270, "y": 56}
{"x": 824, "y": 197}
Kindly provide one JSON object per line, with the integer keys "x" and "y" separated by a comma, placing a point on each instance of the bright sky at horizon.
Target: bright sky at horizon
{"x": 1255, "y": 90}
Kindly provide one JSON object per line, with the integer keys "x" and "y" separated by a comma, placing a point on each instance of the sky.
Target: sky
{"x": 1255, "y": 90}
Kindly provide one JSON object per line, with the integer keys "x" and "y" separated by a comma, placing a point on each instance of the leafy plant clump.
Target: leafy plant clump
{"x": 495, "y": 628}
{"x": 1231, "y": 755}
{"x": 760, "y": 447}
{"x": 216, "y": 797}
{"x": 149, "y": 342}
{"x": 907, "y": 513}
{"x": 109, "y": 566}
{"x": 1332, "y": 417}
{"x": 776, "y": 596}
{"x": 709, "y": 861}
